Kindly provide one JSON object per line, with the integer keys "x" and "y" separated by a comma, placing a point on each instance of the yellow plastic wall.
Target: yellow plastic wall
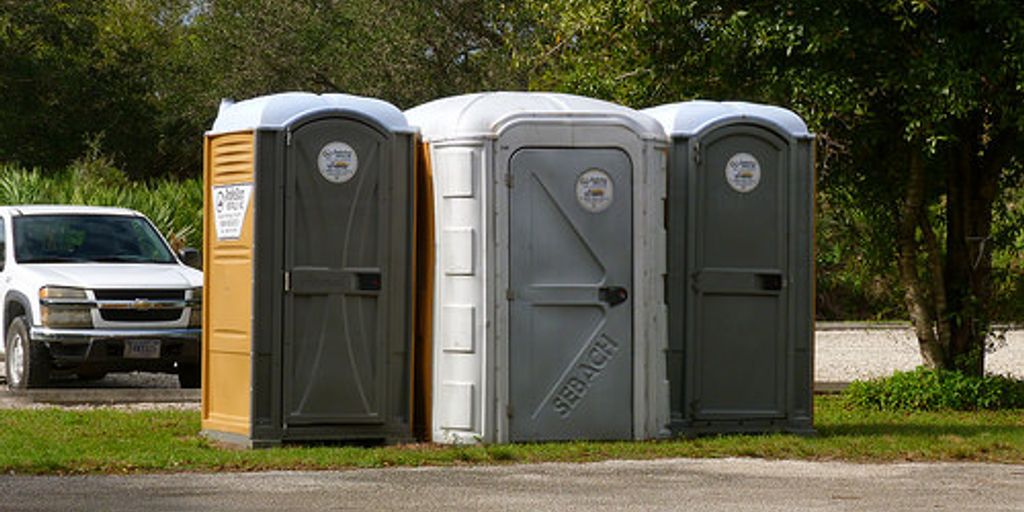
{"x": 423, "y": 299}
{"x": 227, "y": 293}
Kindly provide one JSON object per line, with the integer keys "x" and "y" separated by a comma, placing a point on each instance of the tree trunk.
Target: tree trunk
{"x": 972, "y": 181}
{"x": 948, "y": 295}
{"x": 919, "y": 290}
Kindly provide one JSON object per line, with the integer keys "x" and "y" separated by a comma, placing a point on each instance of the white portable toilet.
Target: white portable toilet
{"x": 548, "y": 314}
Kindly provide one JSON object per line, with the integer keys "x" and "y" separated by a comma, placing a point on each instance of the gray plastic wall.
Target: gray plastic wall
{"x": 268, "y": 418}
{"x": 796, "y": 352}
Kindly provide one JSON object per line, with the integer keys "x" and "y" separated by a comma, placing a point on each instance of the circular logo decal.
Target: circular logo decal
{"x": 338, "y": 162}
{"x": 595, "y": 190}
{"x": 743, "y": 172}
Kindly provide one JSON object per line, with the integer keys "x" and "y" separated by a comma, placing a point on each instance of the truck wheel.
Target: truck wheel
{"x": 28, "y": 364}
{"x": 189, "y": 375}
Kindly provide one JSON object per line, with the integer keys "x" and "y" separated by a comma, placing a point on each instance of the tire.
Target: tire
{"x": 28, "y": 364}
{"x": 189, "y": 375}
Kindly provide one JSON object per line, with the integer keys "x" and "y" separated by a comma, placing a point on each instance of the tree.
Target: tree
{"x": 143, "y": 78}
{"x": 76, "y": 72}
{"x": 919, "y": 106}
{"x": 403, "y": 52}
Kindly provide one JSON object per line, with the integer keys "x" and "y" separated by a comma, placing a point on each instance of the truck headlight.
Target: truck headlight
{"x": 64, "y": 307}
{"x": 195, "y": 315}
{"x": 57, "y": 293}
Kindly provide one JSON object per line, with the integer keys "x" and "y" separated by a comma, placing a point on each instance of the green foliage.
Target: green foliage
{"x": 174, "y": 206}
{"x": 1008, "y": 255}
{"x": 149, "y": 74}
{"x": 933, "y": 390}
{"x": 856, "y": 271}
{"x": 72, "y": 71}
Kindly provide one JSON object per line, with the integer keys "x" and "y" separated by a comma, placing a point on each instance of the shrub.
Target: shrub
{"x": 174, "y": 206}
{"x": 930, "y": 390}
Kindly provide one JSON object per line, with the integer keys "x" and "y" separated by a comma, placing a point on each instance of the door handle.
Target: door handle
{"x": 612, "y": 295}
{"x": 368, "y": 281}
{"x": 770, "y": 282}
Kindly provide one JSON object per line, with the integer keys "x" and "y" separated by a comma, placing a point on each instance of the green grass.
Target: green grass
{"x": 111, "y": 441}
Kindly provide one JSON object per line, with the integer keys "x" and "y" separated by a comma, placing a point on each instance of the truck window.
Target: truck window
{"x": 80, "y": 238}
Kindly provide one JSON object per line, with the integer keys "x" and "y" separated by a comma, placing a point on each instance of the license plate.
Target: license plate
{"x": 142, "y": 349}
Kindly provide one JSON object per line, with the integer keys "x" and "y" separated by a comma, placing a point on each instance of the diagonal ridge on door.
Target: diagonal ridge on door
{"x": 577, "y": 232}
{"x": 357, "y": 199}
{"x": 347, "y": 303}
{"x": 317, "y": 356}
{"x": 349, "y": 342}
{"x": 588, "y": 341}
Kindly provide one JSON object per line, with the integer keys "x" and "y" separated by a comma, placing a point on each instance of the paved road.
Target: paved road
{"x": 732, "y": 485}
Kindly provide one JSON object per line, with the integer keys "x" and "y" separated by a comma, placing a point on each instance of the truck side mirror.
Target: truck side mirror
{"x": 191, "y": 257}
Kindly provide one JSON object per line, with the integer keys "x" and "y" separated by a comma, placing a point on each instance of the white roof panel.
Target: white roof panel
{"x": 66, "y": 209}
{"x": 280, "y": 110}
{"x": 483, "y": 114}
{"x": 691, "y": 117}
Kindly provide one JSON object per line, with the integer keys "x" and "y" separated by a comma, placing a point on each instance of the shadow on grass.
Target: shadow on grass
{"x": 917, "y": 430}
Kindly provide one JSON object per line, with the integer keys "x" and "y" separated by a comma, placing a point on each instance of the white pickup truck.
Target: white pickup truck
{"x": 87, "y": 291}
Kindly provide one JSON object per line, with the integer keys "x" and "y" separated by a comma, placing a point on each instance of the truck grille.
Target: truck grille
{"x": 135, "y": 315}
{"x": 139, "y": 294}
{"x": 140, "y": 314}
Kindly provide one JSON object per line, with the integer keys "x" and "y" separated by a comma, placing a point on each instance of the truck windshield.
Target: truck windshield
{"x": 87, "y": 238}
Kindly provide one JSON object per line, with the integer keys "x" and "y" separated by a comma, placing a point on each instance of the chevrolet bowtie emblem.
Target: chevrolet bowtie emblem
{"x": 142, "y": 304}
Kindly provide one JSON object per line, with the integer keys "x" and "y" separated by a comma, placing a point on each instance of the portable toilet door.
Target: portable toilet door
{"x": 741, "y": 273}
{"x": 308, "y": 254}
{"x": 548, "y": 311}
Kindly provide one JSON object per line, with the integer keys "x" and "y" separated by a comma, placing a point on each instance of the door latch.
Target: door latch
{"x": 368, "y": 281}
{"x": 612, "y": 295}
{"x": 770, "y": 282}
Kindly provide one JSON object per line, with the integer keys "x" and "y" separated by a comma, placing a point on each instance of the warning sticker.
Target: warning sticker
{"x": 338, "y": 162}
{"x": 595, "y": 190}
{"x": 230, "y": 205}
{"x": 743, "y": 172}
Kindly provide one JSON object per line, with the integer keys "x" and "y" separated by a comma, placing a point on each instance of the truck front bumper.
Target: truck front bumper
{"x": 106, "y": 347}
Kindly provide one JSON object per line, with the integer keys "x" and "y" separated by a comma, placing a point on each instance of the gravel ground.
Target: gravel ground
{"x": 140, "y": 406}
{"x": 143, "y": 380}
{"x": 843, "y": 355}
{"x": 112, "y": 383}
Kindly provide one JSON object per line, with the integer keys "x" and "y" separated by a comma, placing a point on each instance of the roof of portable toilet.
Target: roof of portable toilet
{"x": 281, "y": 110}
{"x": 691, "y": 117}
{"x": 483, "y": 114}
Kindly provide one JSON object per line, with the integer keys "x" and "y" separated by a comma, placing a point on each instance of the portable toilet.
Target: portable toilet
{"x": 548, "y": 317}
{"x": 740, "y": 278}
{"x": 307, "y": 255}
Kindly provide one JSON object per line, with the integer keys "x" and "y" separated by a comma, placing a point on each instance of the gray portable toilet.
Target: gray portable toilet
{"x": 548, "y": 317}
{"x": 308, "y": 248}
{"x": 740, "y": 279}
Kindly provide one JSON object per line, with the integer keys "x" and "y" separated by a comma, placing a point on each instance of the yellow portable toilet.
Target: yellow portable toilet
{"x": 307, "y": 256}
